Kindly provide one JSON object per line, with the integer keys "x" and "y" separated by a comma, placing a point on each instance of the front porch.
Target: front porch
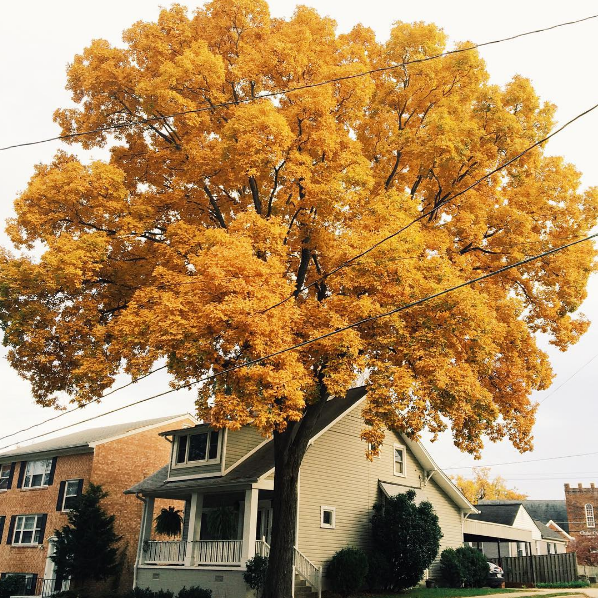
{"x": 220, "y": 529}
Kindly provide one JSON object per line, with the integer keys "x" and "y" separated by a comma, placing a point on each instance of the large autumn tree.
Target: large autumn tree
{"x": 482, "y": 487}
{"x": 175, "y": 249}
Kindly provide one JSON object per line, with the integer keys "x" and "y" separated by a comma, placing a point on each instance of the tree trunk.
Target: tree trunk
{"x": 289, "y": 449}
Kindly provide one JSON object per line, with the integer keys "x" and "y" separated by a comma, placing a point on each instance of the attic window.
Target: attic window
{"x": 198, "y": 448}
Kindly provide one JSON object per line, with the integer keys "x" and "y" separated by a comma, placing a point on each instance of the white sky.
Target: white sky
{"x": 38, "y": 39}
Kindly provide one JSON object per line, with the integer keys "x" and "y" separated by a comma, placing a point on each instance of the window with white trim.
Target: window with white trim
{"x": 198, "y": 448}
{"x": 399, "y": 460}
{"x": 328, "y": 517}
{"x": 590, "y": 521}
{"x": 37, "y": 473}
{"x": 71, "y": 493}
{"x": 4, "y": 475}
{"x": 28, "y": 529}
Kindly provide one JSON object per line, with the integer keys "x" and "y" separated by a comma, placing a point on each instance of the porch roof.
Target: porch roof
{"x": 251, "y": 469}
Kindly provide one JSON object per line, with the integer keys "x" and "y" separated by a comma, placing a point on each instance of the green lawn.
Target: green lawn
{"x": 459, "y": 592}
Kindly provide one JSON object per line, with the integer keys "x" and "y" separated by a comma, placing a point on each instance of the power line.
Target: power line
{"x": 568, "y": 379}
{"x": 430, "y": 212}
{"x": 97, "y": 400}
{"x": 326, "y": 335}
{"x": 272, "y": 94}
{"x": 524, "y": 461}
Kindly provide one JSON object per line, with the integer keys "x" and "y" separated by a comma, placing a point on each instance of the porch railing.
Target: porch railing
{"x": 165, "y": 552}
{"x": 217, "y": 552}
{"x": 308, "y": 571}
{"x": 262, "y": 548}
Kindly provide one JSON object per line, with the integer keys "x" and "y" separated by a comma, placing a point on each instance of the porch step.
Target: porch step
{"x": 302, "y": 589}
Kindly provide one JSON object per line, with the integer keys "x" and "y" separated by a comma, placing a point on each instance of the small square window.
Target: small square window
{"x": 328, "y": 517}
{"x": 399, "y": 460}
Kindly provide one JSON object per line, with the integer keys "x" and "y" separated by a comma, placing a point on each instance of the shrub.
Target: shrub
{"x": 347, "y": 571}
{"x": 194, "y": 592}
{"x": 255, "y": 575}
{"x": 578, "y": 583}
{"x": 464, "y": 566}
{"x": 9, "y": 586}
{"x": 379, "y": 571}
{"x": 408, "y": 535}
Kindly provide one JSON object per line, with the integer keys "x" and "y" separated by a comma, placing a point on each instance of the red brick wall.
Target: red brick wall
{"x": 576, "y": 500}
{"x": 117, "y": 466}
{"x": 22, "y": 501}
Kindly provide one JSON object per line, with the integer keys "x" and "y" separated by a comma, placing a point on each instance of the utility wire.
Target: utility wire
{"x": 97, "y": 400}
{"x": 587, "y": 363}
{"x": 430, "y": 212}
{"x": 272, "y": 94}
{"x": 326, "y": 335}
{"x": 522, "y": 462}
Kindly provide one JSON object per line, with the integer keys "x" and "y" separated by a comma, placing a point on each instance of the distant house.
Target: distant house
{"x": 506, "y": 528}
{"x": 226, "y": 480}
{"x": 39, "y": 483}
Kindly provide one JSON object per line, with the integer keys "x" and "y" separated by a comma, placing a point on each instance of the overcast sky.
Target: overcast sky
{"x": 38, "y": 39}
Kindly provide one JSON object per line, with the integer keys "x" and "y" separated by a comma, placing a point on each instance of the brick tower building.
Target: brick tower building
{"x": 582, "y": 507}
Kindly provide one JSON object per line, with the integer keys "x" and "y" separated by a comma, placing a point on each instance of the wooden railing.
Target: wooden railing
{"x": 165, "y": 552}
{"x": 308, "y": 571}
{"x": 262, "y": 548}
{"x": 217, "y": 552}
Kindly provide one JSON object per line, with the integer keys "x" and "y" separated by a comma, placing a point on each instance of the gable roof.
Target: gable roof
{"x": 542, "y": 510}
{"x": 504, "y": 514}
{"x": 547, "y": 533}
{"x": 257, "y": 464}
{"x": 86, "y": 439}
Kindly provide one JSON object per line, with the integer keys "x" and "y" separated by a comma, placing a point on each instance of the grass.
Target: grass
{"x": 460, "y": 592}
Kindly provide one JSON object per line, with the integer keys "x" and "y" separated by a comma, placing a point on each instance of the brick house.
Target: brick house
{"x": 582, "y": 505}
{"x": 40, "y": 481}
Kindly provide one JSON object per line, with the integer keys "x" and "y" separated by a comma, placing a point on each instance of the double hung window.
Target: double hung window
{"x": 26, "y": 582}
{"x": 28, "y": 529}
{"x": 37, "y": 473}
{"x": 4, "y": 476}
{"x": 71, "y": 493}
{"x": 197, "y": 448}
{"x": 399, "y": 460}
{"x": 590, "y": 521}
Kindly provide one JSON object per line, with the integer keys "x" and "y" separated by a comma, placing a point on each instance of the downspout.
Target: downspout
{"x": 139, "y": 546}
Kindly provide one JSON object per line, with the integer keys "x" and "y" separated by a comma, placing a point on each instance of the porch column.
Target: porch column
{"x": 147, "y": 521}
{"x": 194, "y": 531}
{"x": 249, "y": 524}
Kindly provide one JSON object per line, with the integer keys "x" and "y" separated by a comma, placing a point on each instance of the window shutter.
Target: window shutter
{"x": 42, "y": 528}
{"x": 21, "y": 474}
{"x": 11, "y": 475}
{"x": 2, "y": 520}
{"x": 11, "y": 529}
{"x": 52, "y": 471}
{"x": 60, "y": 496}
{"x": 80, "y": 488}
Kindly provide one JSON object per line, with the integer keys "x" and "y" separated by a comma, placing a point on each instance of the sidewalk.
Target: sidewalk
{"x": 589, "y": 592}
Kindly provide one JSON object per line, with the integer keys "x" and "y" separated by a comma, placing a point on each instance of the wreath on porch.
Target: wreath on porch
{"x": 169, "y": 522}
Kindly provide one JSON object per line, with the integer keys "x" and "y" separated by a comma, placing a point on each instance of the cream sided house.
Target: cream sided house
{"x": 226, "y": 481}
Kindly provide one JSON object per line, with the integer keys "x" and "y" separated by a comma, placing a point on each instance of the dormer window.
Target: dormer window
{"x": 198, "y": 448}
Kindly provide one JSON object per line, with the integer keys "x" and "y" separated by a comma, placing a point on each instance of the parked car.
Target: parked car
{"x": 495, "y": 575}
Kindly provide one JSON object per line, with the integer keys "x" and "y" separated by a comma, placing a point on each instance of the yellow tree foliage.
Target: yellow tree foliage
{"x": 481, "y": 487}
{"x": 176, "y": 247}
